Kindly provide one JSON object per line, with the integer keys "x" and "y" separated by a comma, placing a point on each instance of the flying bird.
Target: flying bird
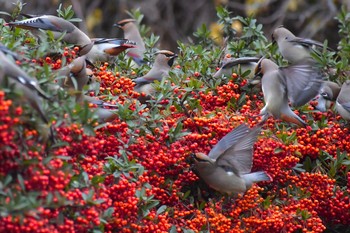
{"x": 298, "y": 84}
{"x": 227, "y": 167}
{"x": 294, "y": 49}
{"x": 59, "y": 27}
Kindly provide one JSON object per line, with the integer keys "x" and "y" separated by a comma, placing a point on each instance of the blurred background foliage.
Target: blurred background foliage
{"x": 176, "y": 20}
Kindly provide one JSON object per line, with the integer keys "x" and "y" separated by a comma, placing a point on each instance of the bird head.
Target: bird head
{"x": 280, "y": 34}
{"x": 201, "y": 158}
{"x": 124, "y": 23}
{"x": 166, "y": 56}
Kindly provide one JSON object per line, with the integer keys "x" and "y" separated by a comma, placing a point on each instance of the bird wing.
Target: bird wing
{"x": 42, "y": 22}
{"x": 7, "y": 51}
{"x": 305, "y": 42}
{"x": 343, "y": 100}
{"x": 236, "y": 61}
{"x": 143, "y": 80}
{"x": 228, "y": 140}
{"x": 31, "y": 84}
{"x": 239, "y": 156}
{"x": 346, "y": 106}
{"x": 303, "y": 82}
{"x": 115, "y": 41}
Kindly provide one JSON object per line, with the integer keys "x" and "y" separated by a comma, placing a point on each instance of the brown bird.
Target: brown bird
{"x": 75, "y": 76}
{"x": 227, "y": 168}
{"x": 59, "y": 27}
{"x": 131, "y": 32}
{"x": 161, "y": 67}
{"x": 104, "y": 50}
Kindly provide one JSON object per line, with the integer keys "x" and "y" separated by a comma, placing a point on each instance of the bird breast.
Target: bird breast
{"x": 220, "y": 179}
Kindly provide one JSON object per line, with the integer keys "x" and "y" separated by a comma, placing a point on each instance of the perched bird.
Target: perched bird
{"x": 131, "y": 32}
{"x": 298, "y": 83}
{"x": 343, "y": 101}
{"x": 161, "y": 67}
{"x": 22, "y": 83}
{"x": 75, "y": 77}
{"x": 104, "y": 50}
{"x": 58, "y": 26}
{"x": 328, "y": 94}
{"x": 242, "y": 65}
{"x": 227, "y": 168}
{"x": 293, "y": 49}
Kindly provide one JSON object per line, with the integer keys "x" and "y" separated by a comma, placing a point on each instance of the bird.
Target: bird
{"x": 27, "y": 86}
{"x": 160, "y": 69}
{"x": 104, "y": 115}
{"x": 243, "y": 65}
{"x": 293, "y": 49}
{"x": 74, "y": 77}
{"x": 343, "y": 101}
{"x": 227, "y": 167}
{"x": 132, "y": 33}
{"x": 297, "y": 83}
{"x": 59, "y": 27}
{"x": 99, "y": 103}
{"x": 328, "y": 94}
{"x": 105, "y": 49}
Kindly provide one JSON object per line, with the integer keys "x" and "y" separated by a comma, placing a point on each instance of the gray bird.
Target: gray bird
{"x": 75, "y": 76}
{"x": 298, "y": 83}
{"x": 131, "y": 32}
{"x": 328, "y": 94}
{"x": 293, "y": 49}
{"x": 27, "y": 87}
{"x": 227, "y": 167}
{"x": 160, "y": 69}
{"x": 343, "y": 101}
{"x": 241, "y": 65}
{"x": 104, "y": 49}
{"x": 58, "y": 26}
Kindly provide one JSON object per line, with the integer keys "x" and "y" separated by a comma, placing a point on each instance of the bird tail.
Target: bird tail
{"x": 255, "y": 177}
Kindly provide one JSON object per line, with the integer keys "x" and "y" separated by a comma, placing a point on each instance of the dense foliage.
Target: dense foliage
{"x": 134, "y": 174}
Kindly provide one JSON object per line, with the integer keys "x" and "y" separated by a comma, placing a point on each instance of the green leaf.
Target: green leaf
{"x": 161, "y": 209}
{"x": 21, "y": 182}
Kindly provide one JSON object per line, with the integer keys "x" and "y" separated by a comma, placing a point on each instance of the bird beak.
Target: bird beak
{"x": 273, "y": 39}
{"x": 117, "y": 25}
{"x": 258, "y": 71}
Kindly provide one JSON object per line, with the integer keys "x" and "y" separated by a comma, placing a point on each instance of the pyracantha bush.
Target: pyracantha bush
{"x": 134, "y": 174}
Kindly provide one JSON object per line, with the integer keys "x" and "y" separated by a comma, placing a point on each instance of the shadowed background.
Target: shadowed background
{"x": 176, "y": 20}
